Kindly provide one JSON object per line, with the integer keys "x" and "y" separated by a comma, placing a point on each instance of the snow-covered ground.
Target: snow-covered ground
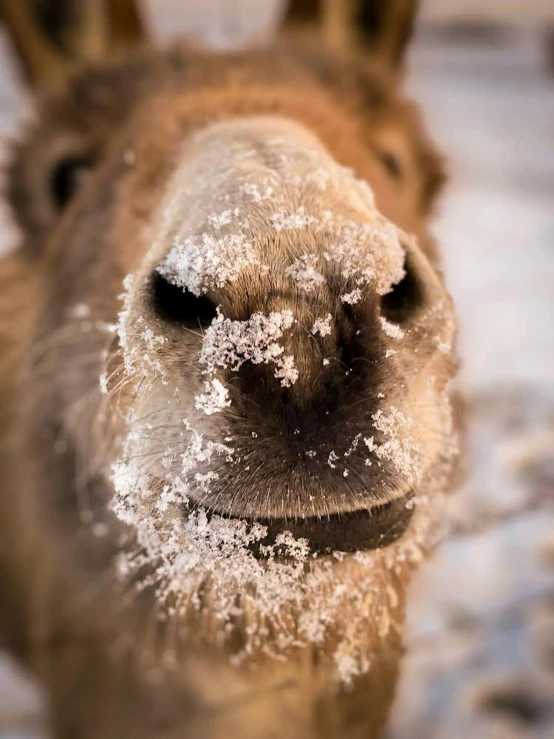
{"x": 481, "y": 619}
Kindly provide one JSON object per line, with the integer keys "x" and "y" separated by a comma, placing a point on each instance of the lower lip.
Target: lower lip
{"x": 347, "y": 532}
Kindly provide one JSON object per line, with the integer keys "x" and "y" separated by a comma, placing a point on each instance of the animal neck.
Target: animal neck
{"x": 300, "y": 698}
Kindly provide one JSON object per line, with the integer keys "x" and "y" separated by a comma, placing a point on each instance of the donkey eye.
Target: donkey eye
{"x": 391, "y": 163}
{"x": 68, "y": 176}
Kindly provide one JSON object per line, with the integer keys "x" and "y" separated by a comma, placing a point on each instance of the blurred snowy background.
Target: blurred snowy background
{"x": 480, "y": 634}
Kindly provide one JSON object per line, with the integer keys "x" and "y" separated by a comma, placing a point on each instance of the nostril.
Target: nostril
{"x": 178, "y": 305}
{"x": 406, "y": 297}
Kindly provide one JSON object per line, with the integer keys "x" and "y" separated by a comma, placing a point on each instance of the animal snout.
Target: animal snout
{"x": 301, "y": 353}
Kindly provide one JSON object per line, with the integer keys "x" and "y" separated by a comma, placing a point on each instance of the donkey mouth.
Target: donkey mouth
{"x": 348, "y": 532}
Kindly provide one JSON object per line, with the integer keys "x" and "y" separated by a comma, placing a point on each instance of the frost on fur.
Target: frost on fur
{"x": 304, "y": 271}
{"x": 232, "y": 343}
{"x": 391, "y": 329}
{"x": 322, "y": 326}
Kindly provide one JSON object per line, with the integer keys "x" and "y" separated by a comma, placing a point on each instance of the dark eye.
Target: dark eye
{"x": 179, "y": 306}
{"x": 405, "y": 298}
{"x": 391, "y": 164}
{"x": 68, "y": 176}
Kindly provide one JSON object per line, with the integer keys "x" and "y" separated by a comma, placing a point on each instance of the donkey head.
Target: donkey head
{"x": 247, "y": 339}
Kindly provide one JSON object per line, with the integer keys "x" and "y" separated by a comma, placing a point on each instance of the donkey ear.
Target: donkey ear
{"x": 381, "y": 27}
{"x": 53, "y": 36}
{"x": 385, "y": 27}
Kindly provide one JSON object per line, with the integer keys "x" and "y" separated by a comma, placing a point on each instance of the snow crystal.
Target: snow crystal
{"x": 380, "y": 263}
{"x": 214, "y": 398}
{"x": 322, "y": 326}
{"x": 392, "y": 421}
{"x": 229, "y": 343}
{"x": 218, "y": 220}
{"x": 151, "y": 339}
{"x": 255, "y": 193}
{"x": 353, "y": 446}
{"x": 197, "y": 263}
{"x": 104, "y": 383}
{"x": 371, "y": 446}
{"x": 333, "y": 457}
{"x": 391, "y": 329}
{"x": 304, "y": 271}
{"x": 444, "y": 346}
{"x": 286, "y": 371}
{"x": 283, "y": 221}
{"x": 400, "y": 448}
{"x": 353, "y": 297}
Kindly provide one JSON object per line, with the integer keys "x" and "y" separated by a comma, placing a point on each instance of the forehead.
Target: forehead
{"x": 106, "y": 94}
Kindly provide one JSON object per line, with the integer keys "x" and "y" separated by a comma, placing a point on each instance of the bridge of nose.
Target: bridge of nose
{"x": 261, "y": 219}
{"x": 309, "y": 331}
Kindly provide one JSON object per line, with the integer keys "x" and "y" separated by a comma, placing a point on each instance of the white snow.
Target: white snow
{"x": 230, "y": 344}
{"x": 304, "y": 271}
{"x": 400, "y": 448}
{"x": 196, "y": 263}
{"x": 391, "y": 329}
{"x": 352, "y": 297}
{"x": 214, "y": 399}
{"x": 322, "y": 326}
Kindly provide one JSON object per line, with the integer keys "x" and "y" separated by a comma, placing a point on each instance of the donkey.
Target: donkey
{"x": 226, "y": 430}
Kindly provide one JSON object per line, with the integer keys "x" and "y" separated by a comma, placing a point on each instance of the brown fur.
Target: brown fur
{"x": 98, "y": 651}
{"x": 381, "y": 27}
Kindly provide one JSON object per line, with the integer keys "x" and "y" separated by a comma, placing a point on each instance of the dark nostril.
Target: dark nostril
{"x": 405, "y": 298}
{"x": 177, "y": 305}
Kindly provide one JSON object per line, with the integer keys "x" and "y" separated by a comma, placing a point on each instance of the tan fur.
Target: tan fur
{"x": 381, "y": 27}
{"x": 100, "y": 651}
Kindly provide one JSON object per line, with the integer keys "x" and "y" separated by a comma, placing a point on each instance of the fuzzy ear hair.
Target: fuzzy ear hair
{"x": 382, "y": 27}
{"x": 52, "y": 36}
